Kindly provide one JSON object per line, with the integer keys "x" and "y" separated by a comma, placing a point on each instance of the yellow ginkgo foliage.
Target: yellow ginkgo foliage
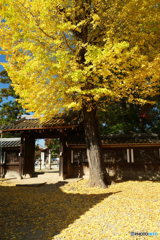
{"x": 78, "y": 54}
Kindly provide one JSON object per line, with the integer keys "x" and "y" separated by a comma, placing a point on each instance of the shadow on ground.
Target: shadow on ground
{"x": 40, "y": 213}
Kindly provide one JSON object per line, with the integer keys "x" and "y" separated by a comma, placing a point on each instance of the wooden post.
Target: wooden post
{"x": 28, "y": 154}
{"x": 63, "y": 164}
{"x": 1, "y": 162}
{"x": 22, "y": 151}
{"x": 61, "y": 160}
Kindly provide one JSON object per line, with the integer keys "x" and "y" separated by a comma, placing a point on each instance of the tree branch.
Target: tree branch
{"x": 66, "y": 41}
{"x": 46, "y": 34}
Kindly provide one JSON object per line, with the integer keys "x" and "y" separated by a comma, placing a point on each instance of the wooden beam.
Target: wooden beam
{"x": 119, "y": 145}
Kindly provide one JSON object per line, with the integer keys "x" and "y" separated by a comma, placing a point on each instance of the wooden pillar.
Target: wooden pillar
{"x": 1, "y": 161}
{"x": 64, "y": 160}
{"x": 61, "y": 161}
{"x": 27, "y": 154}
{"x": 22, "y": 150}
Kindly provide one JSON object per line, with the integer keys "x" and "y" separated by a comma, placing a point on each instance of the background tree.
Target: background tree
{"x": 54, "y": 146}
{"x": 10, "y": 109}
{"x": 78, "y": 54}
{"x": 122, "y": 117}
{"x": 37, "y": 152}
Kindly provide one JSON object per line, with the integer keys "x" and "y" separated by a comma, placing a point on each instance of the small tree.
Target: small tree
{"x": 78, "y": 54}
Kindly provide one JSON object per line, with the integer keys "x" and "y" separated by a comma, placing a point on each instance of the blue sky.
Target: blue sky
{"x": 2, "y": 59}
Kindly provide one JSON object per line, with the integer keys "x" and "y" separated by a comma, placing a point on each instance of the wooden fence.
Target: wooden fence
{"x": 123, "y": 161}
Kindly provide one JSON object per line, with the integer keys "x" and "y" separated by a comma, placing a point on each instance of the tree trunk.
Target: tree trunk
{"x": 98, "y": 174}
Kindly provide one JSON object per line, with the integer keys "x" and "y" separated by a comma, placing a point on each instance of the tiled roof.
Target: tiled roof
{"x": 31, "y": 123}
{"x": 10, "y": 142}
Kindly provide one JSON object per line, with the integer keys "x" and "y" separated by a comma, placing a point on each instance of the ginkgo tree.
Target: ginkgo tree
{"x": 78, "y": 54}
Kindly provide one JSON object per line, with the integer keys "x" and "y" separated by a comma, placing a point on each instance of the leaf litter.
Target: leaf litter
{"x": 76, "y": 211}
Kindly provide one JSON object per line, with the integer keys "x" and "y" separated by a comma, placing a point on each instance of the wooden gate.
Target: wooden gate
{"x": 10, "y": 166}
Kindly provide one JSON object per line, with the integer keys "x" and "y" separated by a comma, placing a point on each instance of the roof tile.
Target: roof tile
{"x": 26, "y": 124}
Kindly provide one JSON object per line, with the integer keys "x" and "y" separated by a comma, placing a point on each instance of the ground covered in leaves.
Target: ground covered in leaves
{"x": 76, "y": 212}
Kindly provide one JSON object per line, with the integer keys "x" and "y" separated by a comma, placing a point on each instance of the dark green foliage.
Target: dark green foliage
{"x": 122, "y": 117}
{"x": 10, "y": 109}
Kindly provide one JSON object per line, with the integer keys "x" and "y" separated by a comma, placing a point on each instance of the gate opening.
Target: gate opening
{"x": 47, "y": 155}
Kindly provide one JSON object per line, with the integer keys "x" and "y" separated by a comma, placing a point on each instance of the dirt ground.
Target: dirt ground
{"x": 44, "y": 176}
{"x": 48, "y": 177}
